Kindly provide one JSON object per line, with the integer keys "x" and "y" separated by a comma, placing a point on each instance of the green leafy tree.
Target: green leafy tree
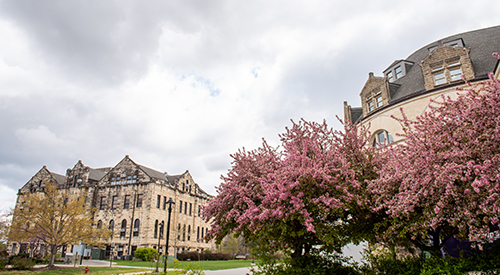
{"x": 55, "y": 218}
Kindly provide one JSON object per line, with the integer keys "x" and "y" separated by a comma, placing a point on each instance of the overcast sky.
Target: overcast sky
{"x": 181, "y": 85}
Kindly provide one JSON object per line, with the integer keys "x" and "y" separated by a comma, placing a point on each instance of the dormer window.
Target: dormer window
{"x": 370, "y": 106}
{"x": 456, "y": 74}
{"x": 447, "y": 71}
{"x": 380, "y": 103}
{"x": 453, "y": 43}
{"x": 397, "y": 70}
{"x": 390, "y": 77}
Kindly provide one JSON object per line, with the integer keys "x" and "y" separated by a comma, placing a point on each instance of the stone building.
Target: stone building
{"x": 131, "y": 200}
{"x": 433, "y": 70}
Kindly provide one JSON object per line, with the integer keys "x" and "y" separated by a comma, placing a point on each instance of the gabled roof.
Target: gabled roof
{"x": 99, "y": 173}
{"x": 153, "y": 173}
{"x": 59, "y": 178}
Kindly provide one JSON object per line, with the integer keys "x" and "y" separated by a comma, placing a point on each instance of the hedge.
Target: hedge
{"x": 194, "y": 256}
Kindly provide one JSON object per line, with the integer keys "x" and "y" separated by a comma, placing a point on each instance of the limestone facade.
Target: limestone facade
{"x": 131, "y": 200}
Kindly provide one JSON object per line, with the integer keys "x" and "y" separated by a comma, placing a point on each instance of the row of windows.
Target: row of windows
{"x": 158, "y": 202}
{"x": 187, "y": 211}
{"x": 115, "y": 202}
{"x": 123, "y": 228}
{"x": 123, "y": 179}
{"x": 181, "y": 235}
{"x": 158, "y": 230}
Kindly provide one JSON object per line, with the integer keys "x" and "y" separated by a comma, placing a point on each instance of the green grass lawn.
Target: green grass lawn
{"x": 81, "y": 270}
{"x": 205, "y": 265}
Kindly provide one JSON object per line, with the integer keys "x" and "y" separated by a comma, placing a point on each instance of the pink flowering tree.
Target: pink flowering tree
{"x": 444, "y": 180}
{"x": 310, "y": 191}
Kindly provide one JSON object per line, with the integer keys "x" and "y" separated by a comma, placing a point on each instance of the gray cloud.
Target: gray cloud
{"x": 180, "y": 85}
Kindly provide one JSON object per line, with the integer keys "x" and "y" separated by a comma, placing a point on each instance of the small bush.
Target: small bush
{"x": 19, "y": 263}
{"x": 190, "y": 268}
{"x": 146, "y": 254}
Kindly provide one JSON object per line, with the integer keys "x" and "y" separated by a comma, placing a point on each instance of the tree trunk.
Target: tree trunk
{"x": 53, "y": 251}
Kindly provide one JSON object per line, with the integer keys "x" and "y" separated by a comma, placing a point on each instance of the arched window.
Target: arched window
{"x": 189, "y": 232}
{"x": 123, "y": 230}
{"x": 136, "y": 228}
{"x": 155, "y": 234}
{"x": 179, "y": 232}
{"x": 183, "y": 232}
{"x": 162, "y": 229}
{"x": 99, "y": 224}
{"x": 111, "y": 227}
{"x": 382, "y": 138}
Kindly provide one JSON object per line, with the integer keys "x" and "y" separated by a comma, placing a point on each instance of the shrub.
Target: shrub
{"x": 20, "y": 263}
{"x": 146, "y": 254}
{"x": 4, "y": 258}
{"x": 203, "y": 256}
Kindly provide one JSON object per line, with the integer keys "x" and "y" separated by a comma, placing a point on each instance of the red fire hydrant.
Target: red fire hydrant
{"x": 86, "y": 270}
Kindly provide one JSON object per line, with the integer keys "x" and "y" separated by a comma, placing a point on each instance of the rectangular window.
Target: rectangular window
{"x": 199, "y": 210}
{"x": 139, "y": 200}
{"x": 180, "y": 207}
{"x": 190, "y": 207}
{"x": 453, "y": 62}
{"x": 437, "y": 68}
{"x": 456, "y": 74}
{"x": 114, "y": 202}
{"x": 185, "y": 208}
{"x": 103, "y": 203}
{"x": 379, "y": 101}
{"x": 399, "y": 72}
{"x": 370, "y": 106}
{"x": 126, "y": 202}
{"x": 158, "y": 201}
{"x": 390, "y": 76}
{"x": 439, "y": 78}
{"x": 164, "y": 203}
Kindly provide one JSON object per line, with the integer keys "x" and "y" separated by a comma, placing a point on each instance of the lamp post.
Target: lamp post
{"x": 170, "y": 202}
{"x": 159, "y": 237}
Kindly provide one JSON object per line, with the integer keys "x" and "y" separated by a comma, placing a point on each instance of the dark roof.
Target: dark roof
{"x": 153, "y": 173}
{"x": 59, "y": 178}
{"x": 356, "y": 113}
{"x": 97, "y": 174}
{"x": 482, "y": 43}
